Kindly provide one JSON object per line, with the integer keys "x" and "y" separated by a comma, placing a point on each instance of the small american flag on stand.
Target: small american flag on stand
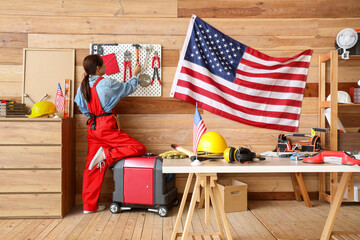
{"x": 59, "y": 100}
{"x": 198, "y": 130}
{"x": 235, "y": 81}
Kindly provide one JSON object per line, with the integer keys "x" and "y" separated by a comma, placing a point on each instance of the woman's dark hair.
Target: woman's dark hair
{"x": 90, "y": 64}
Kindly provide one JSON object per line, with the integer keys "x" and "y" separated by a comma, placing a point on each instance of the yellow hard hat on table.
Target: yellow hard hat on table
{"x": 212, "y": 142}
{"x": 42, "y": 108}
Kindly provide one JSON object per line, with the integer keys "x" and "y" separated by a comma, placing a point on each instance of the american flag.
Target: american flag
{"x": 59, "y": 100}
{"x": 235, "y": 81}
{"x": 198, "y": 130}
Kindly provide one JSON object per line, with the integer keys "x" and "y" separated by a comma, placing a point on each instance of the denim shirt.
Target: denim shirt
{"x": 110, "y": 92}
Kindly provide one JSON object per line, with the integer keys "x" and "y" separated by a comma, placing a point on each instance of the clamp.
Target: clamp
{"x": 156, "y": 69}
{"x": 127, "y": 62}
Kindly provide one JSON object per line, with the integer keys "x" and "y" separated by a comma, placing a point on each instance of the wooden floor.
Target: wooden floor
{"x": 264, "y": 220}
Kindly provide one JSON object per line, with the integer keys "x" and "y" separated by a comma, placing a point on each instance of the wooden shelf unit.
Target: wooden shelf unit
{"x": 333, "y": 104}
{"x": 37, "y": 171}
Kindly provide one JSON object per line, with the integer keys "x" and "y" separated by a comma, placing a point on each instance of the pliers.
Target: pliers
{"x": 127, "y": 62}
{"x": 156, "y": 69}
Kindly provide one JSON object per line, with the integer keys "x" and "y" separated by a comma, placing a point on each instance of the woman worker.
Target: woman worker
{"x": 96, "y": 98}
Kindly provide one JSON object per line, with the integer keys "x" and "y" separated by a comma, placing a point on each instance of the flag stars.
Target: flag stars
{"x": 215, "y": 35}
{"x": 207, "y": 30}
{"x": 194, "y": 47}
{"x": 238, "y": 48}
{"x": 235, "y": 55}
{"x": 200, "y": 26}
{"x": 228, "y": 73}
{"x": 192, "y": 55}
{"x": 230, "y": 43}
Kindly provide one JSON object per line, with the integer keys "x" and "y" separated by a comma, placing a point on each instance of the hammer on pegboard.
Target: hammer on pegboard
{"x": 137, "y": 46}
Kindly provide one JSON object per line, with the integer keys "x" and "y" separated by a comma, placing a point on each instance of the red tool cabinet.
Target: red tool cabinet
{"x": 140, "y": 183}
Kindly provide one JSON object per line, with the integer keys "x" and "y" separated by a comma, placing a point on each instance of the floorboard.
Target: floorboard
{"x": 265, "y": 220}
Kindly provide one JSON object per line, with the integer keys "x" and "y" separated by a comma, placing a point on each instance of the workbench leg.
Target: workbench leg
{"x": 295, "y": 187}
{"x": 182, "y": 205}
{"x": 334, "y": 207}
{"x": 191, "y": 209}
{"x": 303, "y": 189}
{"x": 216, "y": 211}
{"x": 207, "y": 200}
{"x": 222, "y": 211}
{"x": 322, "y": 186}
{"x": 202, "y": 196}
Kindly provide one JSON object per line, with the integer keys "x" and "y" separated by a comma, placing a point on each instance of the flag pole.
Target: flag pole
{"x": 196, "y": 155}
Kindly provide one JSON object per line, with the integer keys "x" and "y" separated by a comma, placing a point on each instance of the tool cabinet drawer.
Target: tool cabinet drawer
{"x": 30, "y": 205}
{"x": 30, "y": 157}
{"x": 30, "y": 132}
{"x": 24, "y": 181}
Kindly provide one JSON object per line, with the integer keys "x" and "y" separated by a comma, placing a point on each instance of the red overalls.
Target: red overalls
{"x": 117, "y": 145}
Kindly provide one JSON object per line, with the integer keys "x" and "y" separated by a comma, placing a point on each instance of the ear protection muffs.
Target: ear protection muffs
{"x": 244, "y": 155}
{"x": 238, "y": 155}
{"x": 229, "y": 154}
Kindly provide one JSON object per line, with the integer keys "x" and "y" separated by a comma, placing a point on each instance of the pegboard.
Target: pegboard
{"x": 153, "y": 90}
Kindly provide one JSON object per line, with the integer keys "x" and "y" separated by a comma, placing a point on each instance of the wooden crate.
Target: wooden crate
{"x": 10, "y": 109}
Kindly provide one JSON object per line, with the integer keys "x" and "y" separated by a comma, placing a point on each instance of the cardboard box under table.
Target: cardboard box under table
{"x": 233, "y": 195}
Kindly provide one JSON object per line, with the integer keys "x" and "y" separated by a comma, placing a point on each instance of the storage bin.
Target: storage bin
{"x": 233, "y": 195}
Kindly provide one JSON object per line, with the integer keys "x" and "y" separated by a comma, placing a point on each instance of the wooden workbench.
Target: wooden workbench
{"x": 207, "y": 173}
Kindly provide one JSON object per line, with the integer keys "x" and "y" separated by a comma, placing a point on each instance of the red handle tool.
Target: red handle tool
{"x": 319, "y": 158}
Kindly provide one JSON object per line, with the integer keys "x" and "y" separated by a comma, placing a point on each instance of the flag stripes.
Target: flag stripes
{"x": 238, "y": 82}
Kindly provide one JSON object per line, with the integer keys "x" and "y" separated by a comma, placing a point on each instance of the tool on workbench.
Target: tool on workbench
{"x": 173, "y": 154}
{"x": 346, "y": 158}
{"x": 155, "y": 69}
{"x": 298, "y": 143}
{"x": 127, "y": 63}
{"x": 241, "y": 155}
{"x": 137, "y": 46}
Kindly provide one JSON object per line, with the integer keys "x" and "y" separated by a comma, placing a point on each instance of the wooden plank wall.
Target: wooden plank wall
{"x": 278, "y": 28}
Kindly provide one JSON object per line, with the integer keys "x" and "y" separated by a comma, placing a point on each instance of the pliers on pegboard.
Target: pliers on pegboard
{"x": 156, "y": 69}
{"x": 127, "y": 62}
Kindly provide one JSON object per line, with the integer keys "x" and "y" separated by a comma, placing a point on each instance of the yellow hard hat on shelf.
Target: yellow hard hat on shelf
{"x": 212, "y": 142}
{"x": 42, "y": 108}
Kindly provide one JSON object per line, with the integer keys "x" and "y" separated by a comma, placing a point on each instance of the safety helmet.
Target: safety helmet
{"x": 212, "y": 142}
{"x": 42, "y": 108}
{"x": 343, "y": 97}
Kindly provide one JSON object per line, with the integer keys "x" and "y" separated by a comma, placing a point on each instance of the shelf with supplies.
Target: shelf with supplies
{"x": 331, "y": 60}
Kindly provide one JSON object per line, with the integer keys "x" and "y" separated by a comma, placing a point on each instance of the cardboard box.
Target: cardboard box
{"x": 233, "y": 195}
